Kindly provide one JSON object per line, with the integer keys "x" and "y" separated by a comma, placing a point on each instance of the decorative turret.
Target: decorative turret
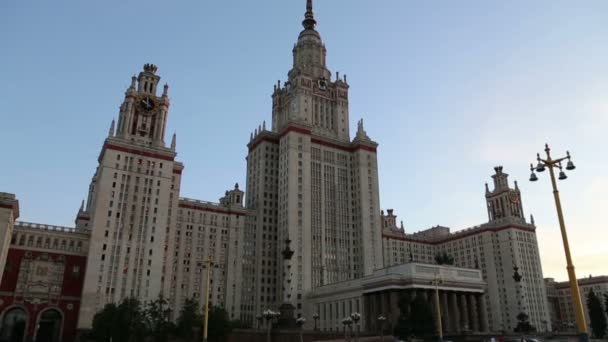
{"x": 82, "y": 218}
{"x": 361, "y": 133}
{"x": 233, "y": 197}
{"x": 111, "y": 131}
{"x": 173, "y": 141}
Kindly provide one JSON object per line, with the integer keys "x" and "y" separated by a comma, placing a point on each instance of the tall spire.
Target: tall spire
{"x": 309, "y": 22}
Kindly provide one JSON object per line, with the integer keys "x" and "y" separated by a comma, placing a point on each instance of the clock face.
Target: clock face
{"x": 322, "y": 83}
{"x": 147, "y": 104}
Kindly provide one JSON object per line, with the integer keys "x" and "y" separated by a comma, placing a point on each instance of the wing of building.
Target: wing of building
{"x": 500, "y": 248}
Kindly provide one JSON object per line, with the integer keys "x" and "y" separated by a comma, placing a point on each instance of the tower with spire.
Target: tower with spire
{"x": 313, "y": 190}
{"x": 132, "y": 200}
{"x": 504, "y": 203}
{"x": 310, "y": 96}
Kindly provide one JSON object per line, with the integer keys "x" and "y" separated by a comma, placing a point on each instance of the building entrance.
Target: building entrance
{"x": 49, "y": 327}
{"x": 13, "y": 326}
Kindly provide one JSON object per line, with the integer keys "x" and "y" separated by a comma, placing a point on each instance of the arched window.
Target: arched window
{"x": 13, "y": 325}
{"x": 49, "y": 326}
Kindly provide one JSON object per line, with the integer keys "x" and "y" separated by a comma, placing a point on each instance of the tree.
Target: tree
{"x": 596, "y": 315}
{"x": 103, "y": 323}
{"x": 524, "y": 323}
{"x": 157, "y": 315}
{"x": 444, "y": 259}
{"x": 219, "y": 324}
{"x": 189, "y": 318}
{"x": 122, "y": 323}
{"x": 420, "y": 320}
{"x": 131, "y": 322}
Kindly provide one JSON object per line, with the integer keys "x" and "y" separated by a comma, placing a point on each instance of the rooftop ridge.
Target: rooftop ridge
{"x": 43, "y": 226}
{"x": 187, "y": 199}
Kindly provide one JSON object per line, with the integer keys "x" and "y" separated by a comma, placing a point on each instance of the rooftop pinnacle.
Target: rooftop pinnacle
{"x": 309, "y": 22}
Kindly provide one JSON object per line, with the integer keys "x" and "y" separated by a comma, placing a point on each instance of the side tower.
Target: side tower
{"x": 510, "y": 259}
{"x": 312, "y": 190}
{"x": 132, "y": 201}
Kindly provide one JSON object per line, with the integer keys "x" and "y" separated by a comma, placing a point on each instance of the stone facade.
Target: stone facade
{"x": 506, "y": 241}
{"x": 209, "y": 229}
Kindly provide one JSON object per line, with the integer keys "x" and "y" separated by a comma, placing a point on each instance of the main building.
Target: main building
{"x": 309, "y": 218}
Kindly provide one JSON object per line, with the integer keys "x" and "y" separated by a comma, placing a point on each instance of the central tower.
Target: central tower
{"x": 312, "y": 190}
{"x": 310, "y": 96}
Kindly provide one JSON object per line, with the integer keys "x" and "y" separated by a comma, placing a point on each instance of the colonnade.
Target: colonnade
{"x": 461, "y": 312}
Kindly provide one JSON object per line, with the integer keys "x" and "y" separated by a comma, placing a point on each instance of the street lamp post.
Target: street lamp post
{"x": 316, "y": 318}
{"x": 300, "y": 322}
{"x": 269, "y": 315}
{"x": 436, "y": 282}
{"x": 355, "y": 316}
{"x": 575, "y": 293}
{"x": 381, "y": 320}
{"x": 209, "y": 264}
{"x": 347, "y": 321}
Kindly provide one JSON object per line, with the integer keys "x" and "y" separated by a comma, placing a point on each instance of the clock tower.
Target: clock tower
{"x": 504, "y": 203}
{"x": 143, "y": 114}
{"x": 132, "y": 201}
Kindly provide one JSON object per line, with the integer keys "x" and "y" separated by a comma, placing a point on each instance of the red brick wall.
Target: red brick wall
{"x": 68, "y": 304}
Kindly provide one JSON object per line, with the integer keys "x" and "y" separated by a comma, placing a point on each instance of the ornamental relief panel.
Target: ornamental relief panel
{"x": 40, "y": 278}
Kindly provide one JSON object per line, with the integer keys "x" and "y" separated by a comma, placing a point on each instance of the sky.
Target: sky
{"x": 449, "y": 89}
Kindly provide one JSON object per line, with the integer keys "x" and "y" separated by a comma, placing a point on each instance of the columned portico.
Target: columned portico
{"x": 472, "y": 307}
{"x": 455, "y": 313}
{"x": 483, "y": 318}
{"x": 445, "y": 313}
{"x": 464, "y": 315}
{"x": 390, "y": 291}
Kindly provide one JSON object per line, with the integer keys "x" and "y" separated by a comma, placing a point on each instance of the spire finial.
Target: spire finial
{"x": 173, "y": 141}
{"x": 309, "y": 22}
{"x": 133, "y": 82}
{"x": 111, "y": 132}
{"x": 82, "y": 205}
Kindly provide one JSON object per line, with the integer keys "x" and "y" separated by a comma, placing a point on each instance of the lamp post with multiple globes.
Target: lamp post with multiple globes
{"x": 208, "y": 265}
{"x": 553, "y": 164}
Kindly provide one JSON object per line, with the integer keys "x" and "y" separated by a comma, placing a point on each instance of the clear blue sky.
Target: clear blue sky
{"x": 448, "y": 88}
